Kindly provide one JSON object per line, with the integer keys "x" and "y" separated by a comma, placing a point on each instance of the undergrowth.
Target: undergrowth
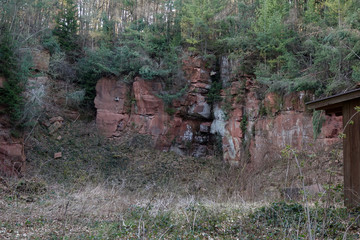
{"x": 131, "y": 162}
{"x": 100, "y": 213}
{"x": 103, "y": 189}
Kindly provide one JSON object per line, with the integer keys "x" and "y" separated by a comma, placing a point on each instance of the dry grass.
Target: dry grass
{"x": 123, "y": 189}
{"x": 100, "y": 212}
{"x": 71, "y": 214}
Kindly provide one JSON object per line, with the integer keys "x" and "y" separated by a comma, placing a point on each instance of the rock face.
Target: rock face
{"x": 12, "y": 157}
{"x": 112, "y": 106}
{"x": 253, "y": 126}
{"x": 258, "y": 128}
{"x": 183, "y": 126}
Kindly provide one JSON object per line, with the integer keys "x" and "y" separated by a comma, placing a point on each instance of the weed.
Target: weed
{"x": 213, "y": 95}
{"x": 317, "y": 121}
{"x": 243, "y": 124}
{"x": 171, "y": 111}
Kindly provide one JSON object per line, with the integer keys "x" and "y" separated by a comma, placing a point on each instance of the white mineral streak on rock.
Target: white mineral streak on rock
{"x": 218, "y": 125}
{"x": 188, "y": 134}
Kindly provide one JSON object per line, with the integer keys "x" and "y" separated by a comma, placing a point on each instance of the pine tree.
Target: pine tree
{"x": 15, "y": 68}
{"x": 336, "y": 11}
{"x": 272, "y": 33}
{"x": 198, "y": 22}
{"x": 67, "y": 27}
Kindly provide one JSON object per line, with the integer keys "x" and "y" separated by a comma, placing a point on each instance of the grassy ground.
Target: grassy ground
{"x": 99, "y": 212}
{"x": 102, "y": 189}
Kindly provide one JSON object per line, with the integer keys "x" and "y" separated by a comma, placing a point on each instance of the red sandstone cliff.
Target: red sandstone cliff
{"x": 270, "y": 125}
{"x": 138, "y": 108}
{"x": 253, "y": 128}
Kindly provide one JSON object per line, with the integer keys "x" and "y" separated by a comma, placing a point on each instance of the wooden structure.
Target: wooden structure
{"x": 344, "y": 104}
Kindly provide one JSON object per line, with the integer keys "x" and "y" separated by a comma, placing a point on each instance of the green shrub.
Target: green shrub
{"x": 171, "y": 111}
{"x": 243, "y": 124}
{"x": 213, "y": 95}
{"x": 303, "y": 84}
{"x": 168, "y": 98}
{"x": 148, "y": 73}
{"x": 60, "y": 68}
{"x": 74, "y": 99}
{"x": 66, "y": 29}
{"x": 50, "y": 43}
{"x": 14, "y": 66}
{"x": 356, "y": 72}
{"x": 133, "y": 58}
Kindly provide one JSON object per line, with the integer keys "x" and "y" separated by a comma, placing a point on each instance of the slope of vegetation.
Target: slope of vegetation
{"x": 77, "y": 216}
{"x": 288, "y": 45}
{"x": 102, "y": 189}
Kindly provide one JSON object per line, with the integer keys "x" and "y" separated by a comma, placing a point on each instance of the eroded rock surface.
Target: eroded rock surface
{"x": 12, "y": 157}
{"x": 253, "y": 126}
{"x": 183, "y": 126}
{"x": 111, "y": 101}
{"x": 258, "y": 129}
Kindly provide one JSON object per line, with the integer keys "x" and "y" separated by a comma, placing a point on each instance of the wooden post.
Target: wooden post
{"x": 344, "y": 104}
{"x": 351, "y": 154}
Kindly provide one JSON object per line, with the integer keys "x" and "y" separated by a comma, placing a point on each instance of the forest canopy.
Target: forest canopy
{"x": 288, "y": 45}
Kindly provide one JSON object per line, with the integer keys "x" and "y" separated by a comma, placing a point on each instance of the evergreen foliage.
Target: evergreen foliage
{"x": 108, "y": 32}
{"x": 141, "y": 51}
{"x": 198, "y": 22}
{"x": 288, "y": 45}
{"x": 317, "y": 121}
{"x": 49, "y": 42}
{"x": 14, "y": 67}
{"x": 306, "y": 45}
{"x": 168, "y": 98}
{"x": 66, "y": 28}
{"x": 213, "y": 95}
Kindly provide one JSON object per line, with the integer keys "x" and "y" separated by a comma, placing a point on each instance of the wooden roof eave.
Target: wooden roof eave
{"x": 334, "y": 104}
